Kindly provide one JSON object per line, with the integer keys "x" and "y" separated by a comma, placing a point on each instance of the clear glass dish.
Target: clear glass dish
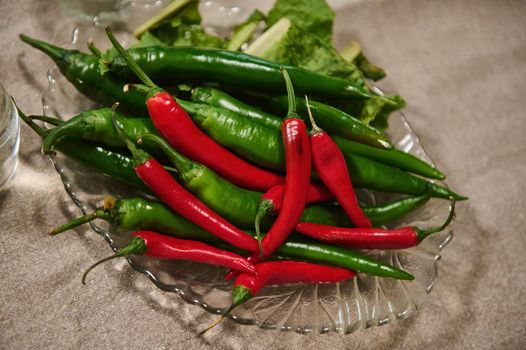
{"x": 344, "y": 307}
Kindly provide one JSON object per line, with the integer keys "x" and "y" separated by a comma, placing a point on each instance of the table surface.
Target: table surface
{"x": 462, "y": 67}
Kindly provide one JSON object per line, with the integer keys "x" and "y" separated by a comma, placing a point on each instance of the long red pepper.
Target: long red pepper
{"x": 156, "y": 245}
{"x": 247, "y": 285}
{"x": 152, "y": 173}
{"x": 372, "y": 238}
{"x": 298, "y": 169}
{"x": 329, "y": 163}
{"x": 174, "y": 124}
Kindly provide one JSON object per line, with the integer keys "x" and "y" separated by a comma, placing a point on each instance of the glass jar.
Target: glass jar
{"x": 9, "y": 137}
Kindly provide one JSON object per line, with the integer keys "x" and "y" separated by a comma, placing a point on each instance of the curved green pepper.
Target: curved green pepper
{"x": 166, "y": 63}
{"x": 336, "y": 123}
{"x": 82, "y": 71}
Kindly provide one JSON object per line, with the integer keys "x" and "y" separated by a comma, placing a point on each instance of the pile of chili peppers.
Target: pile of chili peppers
{"x": 220, "y": 166}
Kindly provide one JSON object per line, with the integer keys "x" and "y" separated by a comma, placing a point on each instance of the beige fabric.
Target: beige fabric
{"x": 462, "y": 67}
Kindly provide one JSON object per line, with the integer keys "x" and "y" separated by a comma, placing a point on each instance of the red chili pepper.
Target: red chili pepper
{"x": 298, "y": 169}
{"x": 154, "y": 244}
{"x": 174, "y": 124}
{"x": 152, "y": 173}
{"x": 247, "y": 286}
{"x": 272, "y": 200}
{"x": 372, "y": 238}
{"x": 329, "y": 163}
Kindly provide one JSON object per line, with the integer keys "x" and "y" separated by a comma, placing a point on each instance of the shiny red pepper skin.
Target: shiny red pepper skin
{"x": 298, "y": 169}
{"x": 284, "y": 272}
{"x": 183, "y": 202}
{"x": 361, "y": 238}
{"x": 174, "y": 124}
{"x": 329, "y": 163}
{"x": 164, "y": 247}
{"x": 315, "y": 193}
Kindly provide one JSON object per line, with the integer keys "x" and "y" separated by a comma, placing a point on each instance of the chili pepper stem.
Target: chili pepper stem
{"x": 139, "y": 87}
{"x": 153, "y": 89}
{"x": 240, "y": 294}
{"x": 291, "y": 98}
{"x": 45, "y": 119}
{"x": 315, "y": 128}
{"x": 139, "y": 156}
{"x": 97, "y": 214}
{"x": 137, "y": 246}
{"x": 421, "y": 234}
{"x": 40, "y": 131}
{"x": 181, "y": 163}
{"x": 94, "y": 50}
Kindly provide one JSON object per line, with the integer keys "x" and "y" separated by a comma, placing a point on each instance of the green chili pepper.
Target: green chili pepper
{"x": 255, "y": 142}
{"x": 163, "y": 63}
{"x": 97, "y": 125}
{"x": 263, "y": 145}
{"x": 337, "y": 123}
{"x": 258, "y": 143}
{"x": 373, "y": 175}
{"x": 134, "y": 214}
{"x": 384, "y": 213}
{"x": 235, "y": 204}
{"x": 338, "y": 256}
{"x": 393, "y": 157}
{"x": 82, "y": 71}
{"x": 114, "y": 163}
{"x": 140, "y": 214}
{"x": 137, "y": 214}
{"x": 334, "y": 123}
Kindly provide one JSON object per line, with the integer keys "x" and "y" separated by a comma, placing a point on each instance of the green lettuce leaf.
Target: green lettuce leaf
{"x": 353, "y": 53}
{"x": 315, "y": 16}
{"x": 183, "y": 27}
{"x": 375, "y": 110}
{"x": 288, "y": 43}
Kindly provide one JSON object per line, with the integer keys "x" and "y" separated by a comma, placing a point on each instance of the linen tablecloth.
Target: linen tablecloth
{"x": 461, "y": 65}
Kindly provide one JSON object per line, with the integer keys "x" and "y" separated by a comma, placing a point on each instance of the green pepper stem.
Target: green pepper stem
{"x": 291, "y": 98}
{"x": 40, "y": 131}
{"x": 240, "y": 294}
{"x": 139, "y": 156}
{"x": 182, "y": 164}
{"x": 94, "y": 50}
{"x": 137, "y": 246}
{"x": 138, "y": 87}
{"x": 131, "y": 63}
{"x": 97, "y": 214}
{"x": 49, "y": 120}
{"x": 315, "y": 128}
{"x": 421, "y": 234}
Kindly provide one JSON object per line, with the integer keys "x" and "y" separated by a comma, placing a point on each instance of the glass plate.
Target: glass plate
{"x": 359, "y": 303}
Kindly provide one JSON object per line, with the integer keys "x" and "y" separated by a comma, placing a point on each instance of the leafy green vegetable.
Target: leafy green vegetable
{"x": 183, "y": 27}
{"x": 375, "y": 110}
{"x": 353, "y": 53}
{"x": 369, "y": 69}
{"x": 148, "y": 39}
{"x": 243, "y": 32}
{"x": 381, "y": 119}
{"x": 315, "y": 16}
{"x": 293, "y": 45}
